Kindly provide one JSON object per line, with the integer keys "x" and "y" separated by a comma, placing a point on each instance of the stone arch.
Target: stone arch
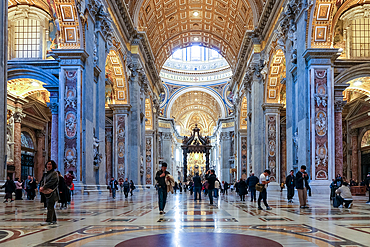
{"x": 32, "y": 72}
{"x": 116, "y": 78}
{"x": 195, "y": 88}
{"x": 274, "y": 88}
{"x": 358, "y": 71}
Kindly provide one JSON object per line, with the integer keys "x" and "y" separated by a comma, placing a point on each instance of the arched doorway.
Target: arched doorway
{"x": 27, "y": 155}
{"x": 365, "y": 154}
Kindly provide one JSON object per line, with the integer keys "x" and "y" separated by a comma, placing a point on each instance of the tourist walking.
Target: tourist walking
{"x": 18, "y": 189}
{"x": 27, "y": 187}
{"x": 367, "y": 183}
{"x": 126, "y": 187}
{"x": 113, "y": 185}
{"x": 301, "y": 185}
{"x": 290, "y": 184}
{"x": 69, "y": 180}
{"x": 33, "y": 187}
{"x": 251, "y": 183}
{"x": 211, "y": 178}
{"x": 132, "y": 186}
{"x": 63, "y": 192}
{"x": 243, "y": 189}
{"x": 197, "y": 187}
{"x": 264, "y": 180}
{"x": 160, "y": 177}
{"x": 217, "y": 187}
{"x": 49, "y": 186}
{"x": 9, "y": 189}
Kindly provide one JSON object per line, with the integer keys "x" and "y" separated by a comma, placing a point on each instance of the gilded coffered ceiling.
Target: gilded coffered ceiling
{"x": 42, "y": 4}
{"x": 360, "y": 85}
{"x": 216, "y": 24}
{"x": 196, "y": 107}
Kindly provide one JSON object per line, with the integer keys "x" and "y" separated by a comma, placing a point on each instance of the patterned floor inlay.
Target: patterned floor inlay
{"x": 99, "y": 220}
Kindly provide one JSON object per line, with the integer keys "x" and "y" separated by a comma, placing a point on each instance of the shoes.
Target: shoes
{"x": 46, "y": 223}
{"x": 268, "y": 208}
{"x": 368, "y": 202}
{"x": 301, "y": 207}
{"x": 350, "y": 205}
{"x": 11, "y": 200}
{"x": 260, "y": 208}
{"x": 54, "y": 223}
{"x": 161, "y": 212}
{"x": 5, "y": 201}
{"x": 306, "y": 207}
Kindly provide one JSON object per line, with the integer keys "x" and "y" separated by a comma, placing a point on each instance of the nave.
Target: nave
{"x": 99, "y": 220}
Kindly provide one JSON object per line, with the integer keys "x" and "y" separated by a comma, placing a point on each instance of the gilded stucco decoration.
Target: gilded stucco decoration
{"x": 243, "y": 113}
{"x": 64, "y": 14}
{"x": 148, "y": 114}
{"x": 116, "y": 86}
{"x": 196, "y": 107}
{"x": 216, "y": 24}
{"x": 360, "y": 85}
{"x": 275, "y": 86}
{"x": 28, "y": 87}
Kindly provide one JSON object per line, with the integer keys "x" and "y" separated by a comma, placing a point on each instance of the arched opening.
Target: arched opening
{"x": 116, "y": 90}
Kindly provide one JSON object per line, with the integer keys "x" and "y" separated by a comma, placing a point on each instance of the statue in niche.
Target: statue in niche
{"x": 295, "y": 141}
{"x": 97, "y": 155}
{"x": 141, "y": 165}
{"x": 9, "y": 145}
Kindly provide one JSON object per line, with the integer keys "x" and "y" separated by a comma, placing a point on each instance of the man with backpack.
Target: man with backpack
{"x": 113, "y": 186}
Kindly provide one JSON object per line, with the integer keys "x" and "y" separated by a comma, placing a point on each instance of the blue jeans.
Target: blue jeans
{"x": 162, "y": 197}
{"x": 196, "y": 191}
{"x": 253, "y": 193}
{"x": 114, "y": 193}
{"x": 210, "y": 195}
{"x": 215, "y": 193}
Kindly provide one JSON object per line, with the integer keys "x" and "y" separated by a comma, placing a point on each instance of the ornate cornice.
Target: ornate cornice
{"x": 18, "y": 116}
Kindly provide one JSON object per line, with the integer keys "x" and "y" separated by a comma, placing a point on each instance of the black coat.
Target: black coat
{"x": 252, "y": 181}
{"x": 211, "y": 181}
{"x": 63, "y": 190}
{"x": 290, "y": 181}
{"x": 242, "y": 187}
{"x": 161, "y": 180}
{"x": 9, "y": 186}
{"x": 299, "y": 181}
{"x": 197, "y": 181}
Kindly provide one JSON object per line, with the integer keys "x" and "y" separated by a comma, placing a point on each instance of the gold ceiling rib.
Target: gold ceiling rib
{"x": 216, "y": 24}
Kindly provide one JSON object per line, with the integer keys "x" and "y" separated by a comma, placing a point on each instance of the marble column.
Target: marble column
{"x": 3, "y": 85}
{"x": 257, "y": 136}
{"x": 39, "y": 159}
{"x": 120, "y": 145}
{"x": 319, "y": 64}
{"x": 249, "y": 129}
{"x": 18, "y": 116}
{"x": 338, "y": 137}
{"x": 354, "y": 158}
{"x": 272, "y": 140}
{"x": 283, "y": 171}
{"x": 134, "y": 133}
{"x": 108, "y": 153}
{"x": 54, "y": 107}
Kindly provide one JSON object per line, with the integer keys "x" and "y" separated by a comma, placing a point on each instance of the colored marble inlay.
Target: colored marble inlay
{"x": 70, "y": 121}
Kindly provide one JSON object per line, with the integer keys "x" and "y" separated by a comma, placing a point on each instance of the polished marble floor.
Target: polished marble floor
{"x": 99, "y": 220}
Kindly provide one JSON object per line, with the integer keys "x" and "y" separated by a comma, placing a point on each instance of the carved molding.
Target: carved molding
{"x": 338, "y": 105}
{"x": 353, "y": 132}
{"x": 53, "y": 107}
{"x": 18, "y": 116}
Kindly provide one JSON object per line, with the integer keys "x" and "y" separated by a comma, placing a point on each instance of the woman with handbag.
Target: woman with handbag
{"x": 49, "y": 186}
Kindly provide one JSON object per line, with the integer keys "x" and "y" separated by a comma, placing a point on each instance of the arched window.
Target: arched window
{"x": 365, "y": 141}
{"x": 28, "y": 32}
{"x": 26, "y": 140}
{"x": 356, "y": 31}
